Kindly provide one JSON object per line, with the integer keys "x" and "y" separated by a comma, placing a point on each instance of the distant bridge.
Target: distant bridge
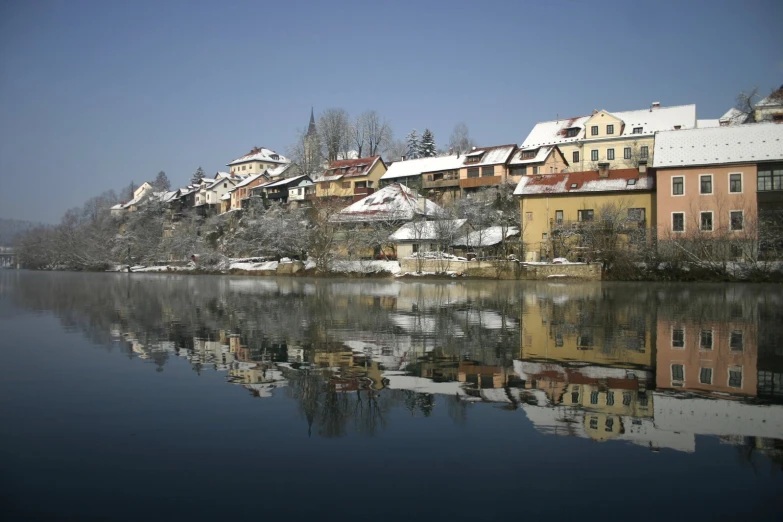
{"x": 8, "y": 257}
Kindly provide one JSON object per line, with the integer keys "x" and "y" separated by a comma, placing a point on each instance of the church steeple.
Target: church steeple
{"x": 311, "y": 127}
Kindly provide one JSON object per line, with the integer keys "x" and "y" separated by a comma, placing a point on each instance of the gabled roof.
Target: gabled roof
{"x": 586, "y": 181}
{"x": 218, "y": 181}
{"x": 486, "y": 237}
{"x": 260, "y": 154}
{"x": 749, "y": 143}
{"x": 650, "y": 120}
{"x": 415, "y": 167}
{"x": 286, "y": 181}
{"x": 278, "y": 170}
{"x": 350, "y": 168}
{"x": 250, "y": 179}
{"x": 490, "y": 155}
{"x": 733, "y": 116}
{"x": 773, "y": 100}
{"x": 425, "y": 230}
{"x": 541, "y": 155}
{"x": 395, "y": 202}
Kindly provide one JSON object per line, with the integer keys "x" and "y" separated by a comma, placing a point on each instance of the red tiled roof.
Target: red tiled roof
{"x": 586, "y": 181}
{"x": 351, "y": 167}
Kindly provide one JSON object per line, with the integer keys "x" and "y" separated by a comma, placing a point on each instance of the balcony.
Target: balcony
{"x": 483, "y": 181}
{"x": 363, "y": 191}
{"x": 434, "y": 181}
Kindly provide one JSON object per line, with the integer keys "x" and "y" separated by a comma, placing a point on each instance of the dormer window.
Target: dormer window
{"x": 632, "y": 182}
{"x": 637, "y": 130}
{"x": 572, "y": 132}
{"x": 529, "y": 154}
{"x": 275, "y": 157}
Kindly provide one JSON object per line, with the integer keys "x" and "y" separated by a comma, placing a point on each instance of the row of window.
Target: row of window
{"x": 594, "y": 130}
{"x": 736, "y": 339}
{"x": 706, "y": 222}
{"x": 610, "y": 399}
{"x": 473, "y": 172}
{"x": 705, "y": 376}
{"x": 644, "y": 153}
{"x": 705, "y": 184}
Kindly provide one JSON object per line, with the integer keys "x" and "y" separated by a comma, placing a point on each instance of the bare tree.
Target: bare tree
{"x": 460, "y": 140}
{"x": 377, "y": 132}
{"x": 334, "y": 127}
{"x": 306, "y": 154}
{"x": 395, "y": 150}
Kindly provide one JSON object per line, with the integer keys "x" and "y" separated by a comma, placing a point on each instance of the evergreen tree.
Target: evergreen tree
{"x": 197, "y": 176}
{"x": 427, "y": 145}
{"x": 413, "y": 144}
{"x": 161, "y": 182}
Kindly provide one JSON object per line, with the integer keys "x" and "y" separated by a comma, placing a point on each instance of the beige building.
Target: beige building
{"x": 621, "y": 139}
{"x": 486, "y": 166}
{"x": 257, "y": 161}
{"x": 350, "y": 179}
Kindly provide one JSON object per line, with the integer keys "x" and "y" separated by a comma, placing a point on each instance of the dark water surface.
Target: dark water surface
{"x": 167, "y": 397}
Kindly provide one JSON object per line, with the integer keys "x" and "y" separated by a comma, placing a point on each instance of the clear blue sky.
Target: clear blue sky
{"x": 94, "y": 94}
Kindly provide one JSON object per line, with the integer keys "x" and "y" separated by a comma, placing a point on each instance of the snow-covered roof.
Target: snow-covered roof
{"x": 704, "y": 124}
{"x": 490, "y": 155}
{"x": 733, "y": 116}
{"x": 426, "y": 230}
{"x": 285, "y": 181}
{"x": 278, "y": 170}
{"x": 587, "y": 181}
{"x": 261, "y": 154}
{"x": 248, "y": 180}
{"x": 350, "y": 168}
{"x": 650, "y": 120}
{"x": 218, "y": 181}
{"x": 541, "y": 155}
{"x": 773, "y": 100}
{"x": 394, "y": 202}
{"x": 486, "y": 237}
{"x": 752, "y": 142}
{"x": 226, "y": 196}
{"x": 415, "y": 167}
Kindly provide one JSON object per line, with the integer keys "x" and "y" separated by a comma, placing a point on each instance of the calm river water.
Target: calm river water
{"x": 146, "y": 397}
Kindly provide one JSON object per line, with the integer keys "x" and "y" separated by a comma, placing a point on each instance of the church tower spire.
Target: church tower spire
{"x": 311, "y": 127}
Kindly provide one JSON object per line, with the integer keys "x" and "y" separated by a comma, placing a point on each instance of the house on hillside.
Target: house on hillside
{"x": 544, "y": 160}
{"x": 303, "y": 193}
{"x": 621, "y": 139}
{"x": 211, "y": 192}
{"x": 487, "y": 242}
{"x": 142, "y": 192}
{"x": 278, "y": 190}
{"x": 241, "y": 190}
{"x": 720, "y": 190}
{"x": 485, "y": 167}
{"x": 257, "y": 161}
{"x": 426, "y": 236}
{"x": 438, "y": 176}
{"x": 560, "y": 212}
{"x": 350, "y": 180}
{"x": 395, "y": 203}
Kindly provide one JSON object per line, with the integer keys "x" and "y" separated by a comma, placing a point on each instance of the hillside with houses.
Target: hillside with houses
{"x": 655, "y": 189}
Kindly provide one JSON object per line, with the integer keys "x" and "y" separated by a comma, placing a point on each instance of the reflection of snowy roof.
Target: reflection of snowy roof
{"x": 415, "y": 167}
{"x": 426, "y": 230}
{"x": 486, "y": 237}
{"x": 399, "y": 381}
{"x": 485, "y": 318}
{"x": 753, "y": 142}
{"x": 651, "y": 121}
{"x": 394, "y": 202}
{"x": 588, "y": 181}
{"x": 261, "y": 154}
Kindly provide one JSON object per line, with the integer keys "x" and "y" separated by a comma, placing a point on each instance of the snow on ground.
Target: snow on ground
{"x": 252, "y": 267}
{"x": 364, "y": 267}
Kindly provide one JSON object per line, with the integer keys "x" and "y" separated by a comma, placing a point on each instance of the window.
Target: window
{"x": 529, "y": 154}
{"x": 609, "y": 423}
{"x": 678, "y": 222}
{"x": 593, "y": 423}
{"x": 487, "y": 171}
{"x": 559, "y": 340}
{"x": 529, "y": 216}
{"x": 584, "y": 341}
{"x": 705, "y": 184}
{"x": 594, "y": 397}
{"x": 705, "y": 340}
{"x": 518, "y": 171}
{"x": 771, "y": 179}
{"x": 627, "y": 398}
{"x": 346, "y": 184}
{"x": 594, "y": 130}
{"x": 574, "y": 397}
{"x": 637, "y": 130}
{"x": 571, "y": 133}
{"x": 643, "y": 400}
{"x": 535, "y": 171}
{"x": 644, "y": 152}
{"x": 631, "y": 182}
{"x": 736, "y": 341}
{"x": 735, "y": 377}
{"x": 473, "y": 172}
{"x": 610, "y": 154}
{"x": 735, "y": 183}
{"x": 705, "y": 375}
{"x": 736, "y": 219}
{"x": 706, "y": 221}
{"x": 610, "y": 129}
{"x": 610, "y": 398}
{"x": 678, "y": 186}
{"x": 678, "y": 373}
{"x": 243, "y": 167}
{"x": 594, "y": 155}
{"x": 627, "y": 153}
{"x": 558, "y": 216}
{"x": 543, "y": 236}
{"x": 225, "y": 185}
{"x": 575, "y": 156}
{"x": 636, "y": 214}
{"x": 678, "y": 338}
{"x": 585, "y": 215}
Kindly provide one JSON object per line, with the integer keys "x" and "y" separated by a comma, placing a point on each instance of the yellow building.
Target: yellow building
{"x": 557, "y": 208}
{"x": 621, "y": 139}
{"x": 257, "y": 161}
{"x": 350, "y": 179}
{"x": 485, "y": 166}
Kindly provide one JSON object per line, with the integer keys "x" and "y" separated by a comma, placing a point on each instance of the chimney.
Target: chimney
{"x": 402, "y": 158}
{"x": 655, "y": 105}
{"x": 421, "y": 204}
{"x": 603, "y": 170}
{"x": 642, "y": 166}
